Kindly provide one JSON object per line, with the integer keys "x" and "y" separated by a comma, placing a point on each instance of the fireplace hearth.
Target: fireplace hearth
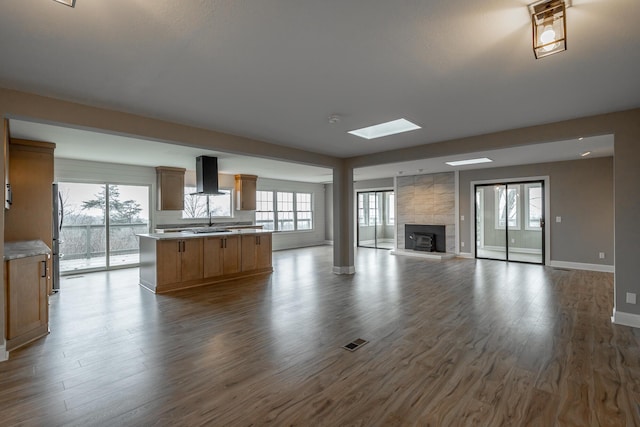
{"x": 425, "y": 238}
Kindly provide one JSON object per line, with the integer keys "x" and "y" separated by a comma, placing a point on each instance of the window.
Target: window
{"x": 284, "y": 210}
{"x": 391, "y": 209}
{"x": 303, "y": 211}
{"x": 533, "y": 206}
{"x": 284, "y": 203}
{"x": 362, "y": 220}
{"x": 219, "y": 206}
{"x": 507, "y": 207}
{"x": 374, "y": 218}
{"x": 265, "y": 213}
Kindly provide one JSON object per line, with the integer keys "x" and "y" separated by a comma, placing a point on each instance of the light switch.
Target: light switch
{"x": 631, "y": 298}
{"x": 558, "y": 219}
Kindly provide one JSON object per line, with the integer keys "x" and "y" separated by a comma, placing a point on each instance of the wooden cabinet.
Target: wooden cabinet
{"x": 221, "y": 255}
{"x": 256, "y": 252}
{"x": 31, "y": 175}
{"x": 246, "y": 192}
{"x": 170, "y": 182}
{"x": 167, "y": 264}
{"x": 7, "y": 180}
{"x": 27, "y": 300}
{"x": 178, "y": 261}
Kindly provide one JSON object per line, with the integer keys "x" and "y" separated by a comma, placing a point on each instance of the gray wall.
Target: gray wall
{"x": 581, "y": 192}
{"x": 426, "y": 199}
{"x": 374, "y": 184}
{"x": 328, "y": 212}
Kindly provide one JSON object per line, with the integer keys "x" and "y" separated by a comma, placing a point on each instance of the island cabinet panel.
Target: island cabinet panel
{"x": 168, "y": 261}
{"x": 191, "y": 259}
{"x": 178, "y": 260}
{"x": 256, "y": 252}
{"x": 221, "y": 255}
{"x": 168, "y": 264}
{"x": 27, "y": 300}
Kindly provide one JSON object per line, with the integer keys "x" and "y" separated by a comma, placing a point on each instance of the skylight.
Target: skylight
{"x": 469, "y": 161}
{"x": 384, "y": 129}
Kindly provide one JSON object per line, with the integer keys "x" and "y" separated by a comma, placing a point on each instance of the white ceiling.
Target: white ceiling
{"x": 276, "y": 70}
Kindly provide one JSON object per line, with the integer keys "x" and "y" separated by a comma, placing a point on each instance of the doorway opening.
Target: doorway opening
{"x": 509, "y": 223}
{"x": 376, "y": 219}
{"x": 99, "y": 223}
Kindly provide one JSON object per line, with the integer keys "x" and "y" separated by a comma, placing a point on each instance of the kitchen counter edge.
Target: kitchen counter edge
{"x": 24, "y": 249}
{"x": 192, "y": 235}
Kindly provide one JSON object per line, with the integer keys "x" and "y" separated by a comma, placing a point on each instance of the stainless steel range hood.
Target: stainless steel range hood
{"x": 207, "y": 176}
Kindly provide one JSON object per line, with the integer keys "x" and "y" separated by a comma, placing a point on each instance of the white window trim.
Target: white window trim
{"x": 295, "y": 211}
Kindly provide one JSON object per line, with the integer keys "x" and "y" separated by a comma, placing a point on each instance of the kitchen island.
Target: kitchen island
{"x": 171, "y": 261}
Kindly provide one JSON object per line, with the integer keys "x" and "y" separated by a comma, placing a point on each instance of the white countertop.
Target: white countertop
{"x": 192, "y": 235}
{"x": 23, "y": 249}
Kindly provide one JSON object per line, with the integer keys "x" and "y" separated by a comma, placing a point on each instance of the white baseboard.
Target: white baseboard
{"x": 328, "y": 242}
{"x": 350, "y": 269}
{"x": 626, "y": 319}
{"x": 583, "y": 266}
{"x": 466, "y": 255}
{"x": 4, "y": 354}
{"x": 513, "y": 249}
{"x": 419, "y": 254}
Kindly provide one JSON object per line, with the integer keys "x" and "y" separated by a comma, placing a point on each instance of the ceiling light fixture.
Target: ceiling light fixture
{"x": 469, "y": 161}
{"x": 70, "y": 3}
{"x": 585, "y": 154}
{"x": 549, "y": 22}
{"x": 384, "y": 129}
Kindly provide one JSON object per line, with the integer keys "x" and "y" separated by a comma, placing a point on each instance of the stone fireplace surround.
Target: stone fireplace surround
{"x": 426, "y": 199}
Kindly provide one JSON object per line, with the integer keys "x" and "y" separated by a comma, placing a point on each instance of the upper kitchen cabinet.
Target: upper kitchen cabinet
{"x": 7, "y": 181}
{"x": 31, "y": 177}
{"x": 246, "y": 192}
{"x": 170, "y": 183}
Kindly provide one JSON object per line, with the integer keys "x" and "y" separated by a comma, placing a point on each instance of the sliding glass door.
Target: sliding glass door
{"x": 510, "y": 221}
{"x": 100, "y": 223}
{"x": 376, "y": 219}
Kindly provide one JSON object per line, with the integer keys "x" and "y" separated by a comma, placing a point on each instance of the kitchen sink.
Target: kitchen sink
{"x": 208, "y": 230}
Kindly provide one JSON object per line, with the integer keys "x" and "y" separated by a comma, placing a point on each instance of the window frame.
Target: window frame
{"x": 518, "y": 210}
{"x": 527, "y": 202}
{"x": 188, "y": 193}
{"x": 278, "y": 218}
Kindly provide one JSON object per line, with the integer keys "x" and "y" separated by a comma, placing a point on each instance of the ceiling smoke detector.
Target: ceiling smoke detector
{"x": 334, "y": 118}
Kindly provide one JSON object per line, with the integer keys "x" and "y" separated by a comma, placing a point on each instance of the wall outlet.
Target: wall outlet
{"x": 631, "y": 298}
{"x": 461, "y": 217}
{"x": 558, "y": 219}
{"x": 462, "y": 244}
{"x": 601, "y": 255}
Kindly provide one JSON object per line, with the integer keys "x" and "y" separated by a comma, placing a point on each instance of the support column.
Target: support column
{"x": 343, "y": 220}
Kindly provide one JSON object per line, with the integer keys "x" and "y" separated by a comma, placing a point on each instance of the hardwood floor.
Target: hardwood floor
{"x": 459, "y": 342}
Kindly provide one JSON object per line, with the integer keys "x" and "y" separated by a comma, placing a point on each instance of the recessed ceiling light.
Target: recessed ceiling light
{"x": 469, "y": 161}
{"x": 385, "y": 129}
{"x": 585, "y": 154}
{"x": 581, "y": 138}
{"x": 71, "y": 3}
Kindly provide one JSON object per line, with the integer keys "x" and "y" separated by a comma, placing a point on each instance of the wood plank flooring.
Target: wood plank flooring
{"x": 459, "y": 342}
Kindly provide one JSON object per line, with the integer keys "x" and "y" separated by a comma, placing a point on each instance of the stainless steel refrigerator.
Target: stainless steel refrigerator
{"x": 58, "y": 218}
